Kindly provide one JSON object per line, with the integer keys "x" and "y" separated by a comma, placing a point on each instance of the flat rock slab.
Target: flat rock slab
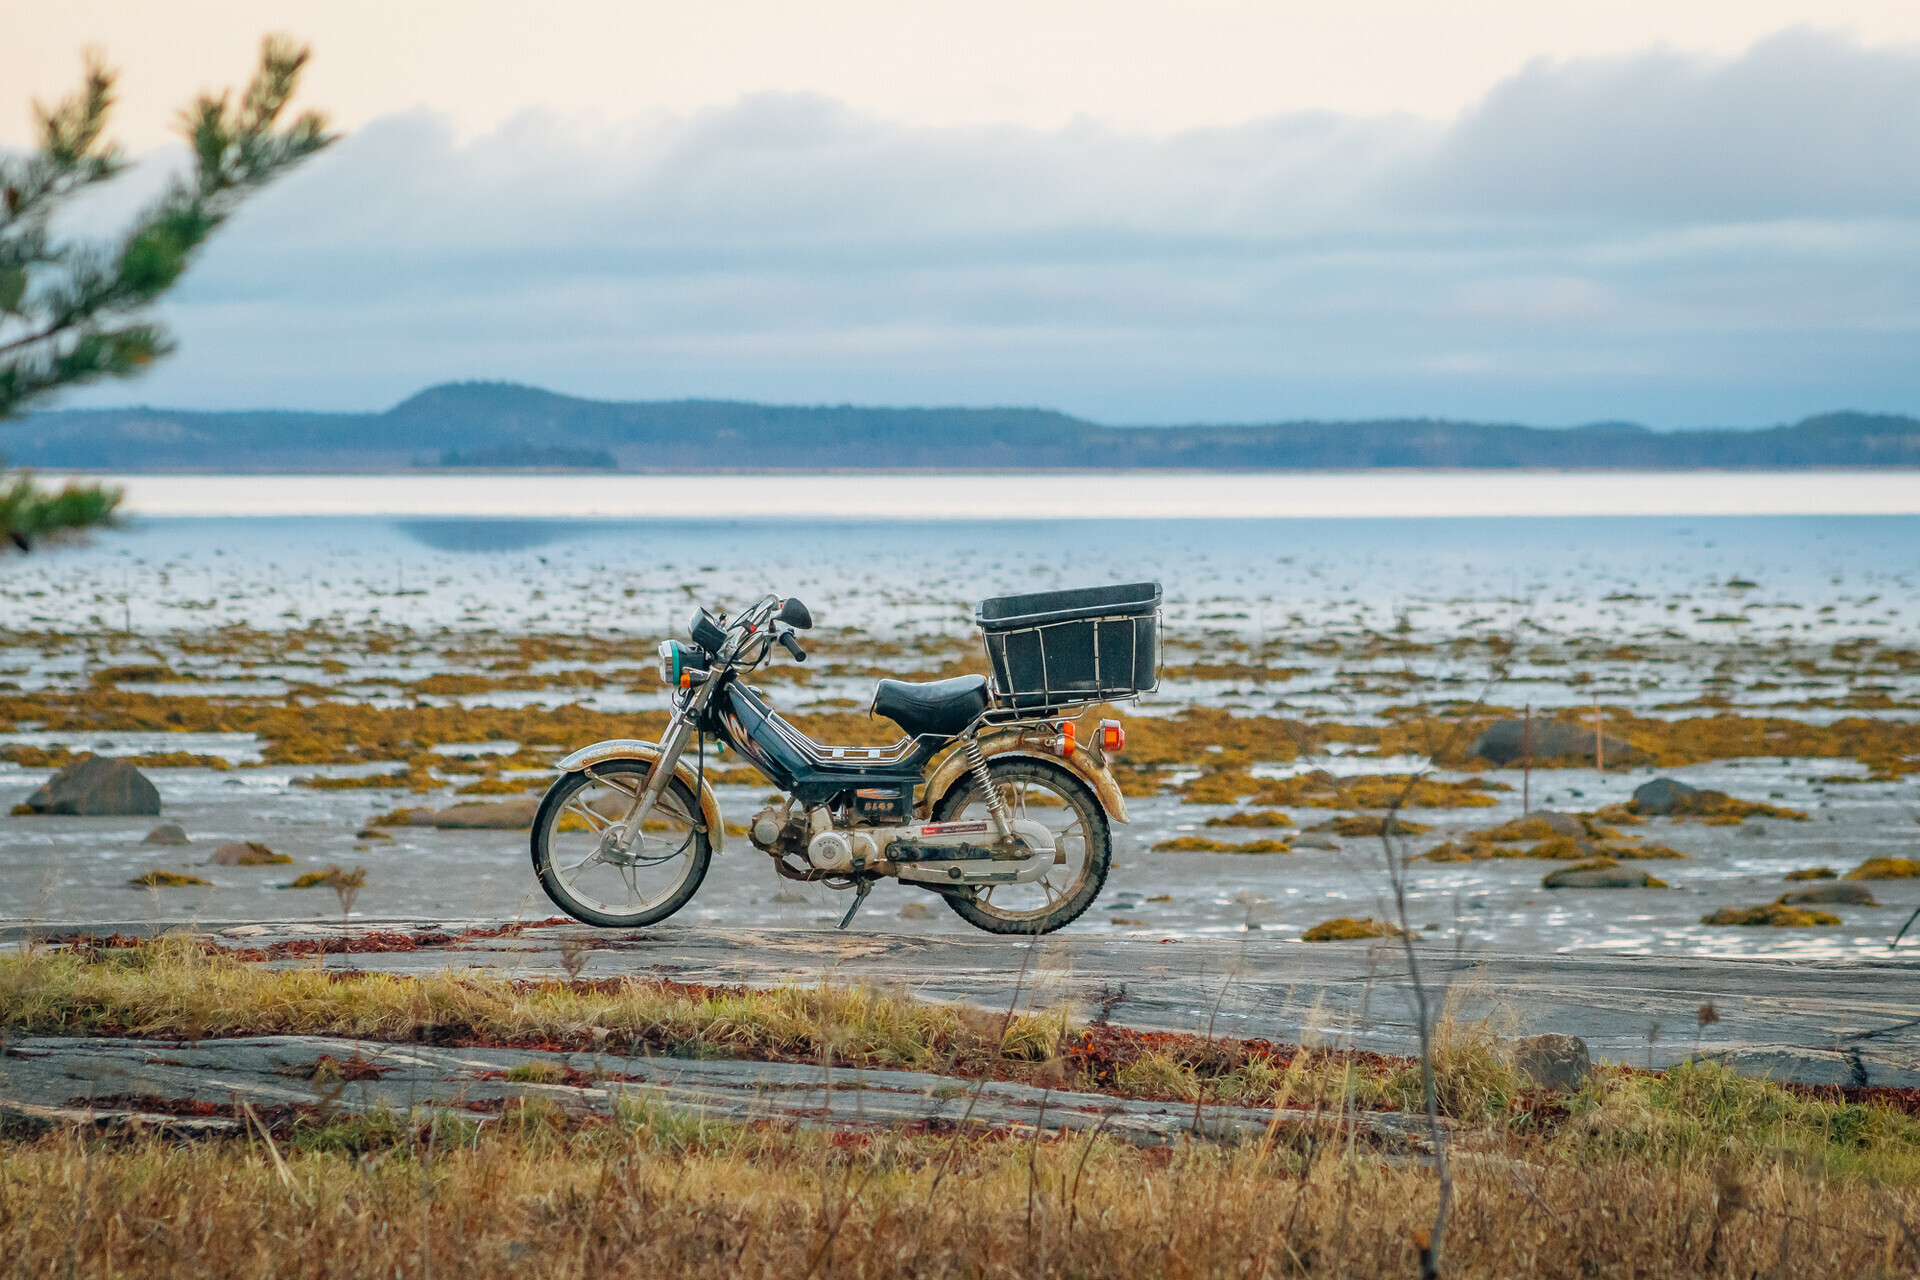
{"x": 58, "y": 1079}
{"x": 1806, "y": 1021}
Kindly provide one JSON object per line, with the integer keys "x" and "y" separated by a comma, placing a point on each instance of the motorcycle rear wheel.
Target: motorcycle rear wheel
{"x": 669, "y": 860}
{"x": 1037, "y": 790}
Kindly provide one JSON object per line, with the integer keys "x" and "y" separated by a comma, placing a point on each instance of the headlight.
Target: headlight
{"x": 676, "y": 660}
{"x": 670, "y": 663}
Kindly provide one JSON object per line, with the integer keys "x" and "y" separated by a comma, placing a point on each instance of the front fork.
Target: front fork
{"x": 617, "y": 844}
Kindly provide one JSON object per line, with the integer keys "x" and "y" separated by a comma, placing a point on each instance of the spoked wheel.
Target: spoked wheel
{"x": 587, "y": 877}
{"x": 1037, "y": 791}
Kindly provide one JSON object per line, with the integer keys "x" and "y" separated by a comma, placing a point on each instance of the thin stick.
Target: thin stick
{"x": 1903, "y": 929}
{"x": 279, "y": 1165}
{"x": 1599, "y": 741}
{"x": 1526, "y": 762}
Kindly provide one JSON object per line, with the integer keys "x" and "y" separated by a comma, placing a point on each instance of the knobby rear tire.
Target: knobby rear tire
{"x": 969, "y": 905}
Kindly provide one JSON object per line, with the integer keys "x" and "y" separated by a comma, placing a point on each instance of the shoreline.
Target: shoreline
{"x": 837, "y": 497}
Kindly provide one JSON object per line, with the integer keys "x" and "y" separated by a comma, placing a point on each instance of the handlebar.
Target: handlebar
{"x": 792, "y": 646}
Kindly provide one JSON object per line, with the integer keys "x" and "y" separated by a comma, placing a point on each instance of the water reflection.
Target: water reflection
{"x": 454, "y": 534}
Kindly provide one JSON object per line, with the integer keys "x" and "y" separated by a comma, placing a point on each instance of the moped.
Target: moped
{"x": 991, "y": 799}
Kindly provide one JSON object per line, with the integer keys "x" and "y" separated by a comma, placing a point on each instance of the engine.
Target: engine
{"x": 779, "y": 829}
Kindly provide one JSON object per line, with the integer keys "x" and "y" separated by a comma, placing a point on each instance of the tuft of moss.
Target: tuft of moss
{"x": 1375, "y": 824}
{"x": 1813, "y": 873}
{"x": 1772, "y": 915}
{"x": 1342, "y": 928}
{"x": 1634, "y": 851}
{"x": 332, "y": 878}
{"x": 1196, "y": 844}
{"x": 1886, "y": 869}
{"x": 1253, "y": 818}
{"x": 166, "y": 880}
{"x": 536, "y": 1073}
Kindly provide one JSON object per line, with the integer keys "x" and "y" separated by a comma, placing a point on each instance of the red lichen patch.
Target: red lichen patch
{"x": 357, "y": 944}
{"x": 515, "y": 929}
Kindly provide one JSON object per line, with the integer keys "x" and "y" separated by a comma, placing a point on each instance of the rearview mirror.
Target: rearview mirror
{"x": 795, "y": 614}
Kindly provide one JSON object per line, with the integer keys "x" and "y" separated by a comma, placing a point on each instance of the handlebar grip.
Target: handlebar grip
{"x": 792, "y": 646}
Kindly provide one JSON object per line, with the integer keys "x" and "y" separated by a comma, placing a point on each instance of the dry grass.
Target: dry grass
{"x": 180, "y": 986}
{"x": 658, "y": 1195}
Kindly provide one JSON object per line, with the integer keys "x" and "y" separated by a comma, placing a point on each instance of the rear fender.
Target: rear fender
{"x": 1039, "y": 743}
{"x": 641, "y": 749}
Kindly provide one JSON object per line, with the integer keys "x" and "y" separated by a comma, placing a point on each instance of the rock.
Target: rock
{"x": 1658, "y": 796}
{"x": 1562, "y": 824}
{"x": 1560, "y": 1063}
{"x": 96, "y": 786}
{"x": 507, "y": 815}
{"x": 171, "y": 833}
{"x": 1601, "y": 873}
{"x": 247, "y": 853}
{"x": 1549, "y": 740}
{"x": 1856, "y": 895}
{"x": 1312, "y": 841}
{"x": 916, "y": 911}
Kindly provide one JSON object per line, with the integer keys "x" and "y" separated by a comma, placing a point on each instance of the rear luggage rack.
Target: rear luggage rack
{"x": 1056, "y": 649}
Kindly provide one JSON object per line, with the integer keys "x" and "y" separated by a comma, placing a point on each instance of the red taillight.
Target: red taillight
{"x": 1112, "y": 737}
{"x": 1066, "y": 737}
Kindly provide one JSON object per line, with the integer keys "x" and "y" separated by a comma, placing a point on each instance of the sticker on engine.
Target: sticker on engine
{"x": 954, "y": 828}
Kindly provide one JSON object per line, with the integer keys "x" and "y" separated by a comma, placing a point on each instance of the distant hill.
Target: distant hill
{"x": 495, "y": 425}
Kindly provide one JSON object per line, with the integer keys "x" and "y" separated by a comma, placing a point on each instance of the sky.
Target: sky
{"x": 1682, "y": 214}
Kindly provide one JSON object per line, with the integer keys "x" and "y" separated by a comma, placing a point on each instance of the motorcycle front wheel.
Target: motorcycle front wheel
{"x": 652, "y": 880}
{"x": 1040, "y": 791}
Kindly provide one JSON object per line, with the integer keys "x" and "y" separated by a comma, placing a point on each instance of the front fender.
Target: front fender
{"x": 1084, "y": 764}
{"x": 641, "y": 749}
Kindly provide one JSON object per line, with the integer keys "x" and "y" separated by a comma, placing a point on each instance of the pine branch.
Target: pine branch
{"x": 74, "y": 313}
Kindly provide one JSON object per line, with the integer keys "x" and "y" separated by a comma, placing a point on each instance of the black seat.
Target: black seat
{"x": 939, "y": 707}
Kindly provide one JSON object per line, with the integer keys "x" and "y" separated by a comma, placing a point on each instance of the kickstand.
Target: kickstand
{"x": 860, "y": 892}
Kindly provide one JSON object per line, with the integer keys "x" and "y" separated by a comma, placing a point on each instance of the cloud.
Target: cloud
{"x": 1652, "y": 236}
{"x": 1804, "y": 125}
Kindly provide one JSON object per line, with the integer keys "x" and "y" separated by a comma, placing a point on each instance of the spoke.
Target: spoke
{"x": 592, "y": 857}
{"x": 596, "y": 821}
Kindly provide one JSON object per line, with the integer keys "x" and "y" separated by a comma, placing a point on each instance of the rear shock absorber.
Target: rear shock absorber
{"x": 996, "y": 803}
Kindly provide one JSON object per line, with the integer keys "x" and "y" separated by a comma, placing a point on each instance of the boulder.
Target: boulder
{"x": 1560, "y": 1063}
{"x": 1601, "y": 873}
{"x": 1659, "y": 795}
{"x": 247, "y": 853}
{"x": 1562, "y": 824}
{"x": 1841, "y": 891}
{"x": 170, "y": 833}
{"x": 506, "y": 815}
{"x": 1548, "y": 740}
{"x": 96, "y": 786}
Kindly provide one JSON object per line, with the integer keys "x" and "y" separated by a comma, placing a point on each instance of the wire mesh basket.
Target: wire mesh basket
{"x": 1055, "y": 649}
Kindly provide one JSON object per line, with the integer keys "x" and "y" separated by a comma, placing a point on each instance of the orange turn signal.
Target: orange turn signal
{"x": 1112, "y": 737}
{"x": 1066, "y": 737}
{"x": 686, "y": 679}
